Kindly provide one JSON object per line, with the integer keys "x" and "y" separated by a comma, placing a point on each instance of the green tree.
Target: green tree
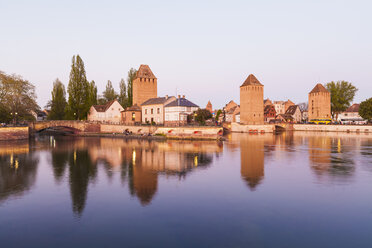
{"x": 365, "y": 109}
{"x": 342, "y": 95}
{"x": 201, "y": 115}
{"x": 78, "y": 90}
{"x": 219, "y": 112}
{"x": 123, "y": 97}
{"x": 17, "y": 99}
{"x": 131, "y": 76}
{"x": 58, "y": 103}
{"x": 109, "y": 94}
{"x": 92, "y": 93}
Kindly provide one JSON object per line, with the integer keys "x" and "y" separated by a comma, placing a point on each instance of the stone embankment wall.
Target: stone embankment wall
{"x": 333, "y": 128}
{"x": 191, "y": 132}
{"x": 270, "y": 128}
{"x": 238, "y": 128}
{"x": 14, "y": 133}
{"x": 110, "y": 128}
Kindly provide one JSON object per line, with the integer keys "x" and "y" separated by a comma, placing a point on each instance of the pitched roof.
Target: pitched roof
{"x": 157, "y": 100}
{"x": 251, "y": 80}
{"x": 353, "y": 108}
{"x": 181, "y": 102}
{"x": 144, "y": 71}
{"x": 103, "y": 108}
{"x": 268, "y": 109}
{"x": 291, "y": 110}
{"x": 135, "y": 107}
{"x": 319, "y": 88}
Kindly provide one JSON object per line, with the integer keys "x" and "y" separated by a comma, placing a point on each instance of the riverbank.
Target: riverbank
{"x": 14, "y": 133}
{"x": 271, "y": 128}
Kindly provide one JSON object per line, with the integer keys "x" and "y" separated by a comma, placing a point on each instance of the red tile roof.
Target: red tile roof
{"x": 319, "y": 88}
{"x": 103, "y": 108}
{"x": 251, "y": 80}
{"x": 144, "y": 71}
{"x": 353, "y": 108}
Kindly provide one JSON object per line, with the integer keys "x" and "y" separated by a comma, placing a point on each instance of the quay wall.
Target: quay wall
{"x": 333, "y": 128}
{"x": 190, "y": 132}
{"x": 239, "y": 128}
{"x": 14, "y": 133}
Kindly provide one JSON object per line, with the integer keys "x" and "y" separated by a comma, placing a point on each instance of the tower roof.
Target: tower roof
{"x": 251, "y": 80}
{"x": 319, "y": 88}
{"x": 144, "y": 71}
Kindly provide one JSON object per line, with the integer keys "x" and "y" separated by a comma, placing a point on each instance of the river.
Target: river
{"x": 288, "y": 190}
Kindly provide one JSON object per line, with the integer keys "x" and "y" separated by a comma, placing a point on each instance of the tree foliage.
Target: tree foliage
{"x": 92, "y": 93}
{"x": 109, "y": 94}
{"x": 131, "y": 76}
{"x": 123, "y": 95}
{"x": 58, "y": 103}
{"x": 17, "y": 99}
{"x": 78, "y": 90}
{"x": 365, "y": 109}
{"x": 342, "y": 95}
{"x": 201, "y": 115}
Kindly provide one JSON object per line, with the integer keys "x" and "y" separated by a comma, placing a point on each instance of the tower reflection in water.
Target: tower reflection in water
{"x": 139, "y": 163}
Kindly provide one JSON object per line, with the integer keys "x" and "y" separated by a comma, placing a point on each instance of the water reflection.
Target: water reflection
{"x": 17, "y": 170}
{"x": 139, "y": 162}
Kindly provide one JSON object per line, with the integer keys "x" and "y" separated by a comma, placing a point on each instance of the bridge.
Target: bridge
{"x": 75, "y": 126}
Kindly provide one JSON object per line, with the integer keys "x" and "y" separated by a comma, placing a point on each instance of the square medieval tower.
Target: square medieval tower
{"x": 251, "y": 102}
{"x": 319, "y": 103}
{"x": 145, "y": 85}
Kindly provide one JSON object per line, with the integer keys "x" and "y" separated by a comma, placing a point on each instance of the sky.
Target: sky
{"x": 202, "y": 49}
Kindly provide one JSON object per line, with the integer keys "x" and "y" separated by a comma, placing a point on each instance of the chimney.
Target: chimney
{"x": 179, "y": 96}
{"x": 183, "y": 96}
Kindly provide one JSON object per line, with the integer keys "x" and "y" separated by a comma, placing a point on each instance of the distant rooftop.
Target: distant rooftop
{"x": 353, "y": 108}
{"x": 251, "y": 80}
{"x": 181, "y": 102}
{"x": 157, "y": 100}
{"x": 319, "y": 88}
{"x": 144, "y": 71}
{"x": 103, "y": 108}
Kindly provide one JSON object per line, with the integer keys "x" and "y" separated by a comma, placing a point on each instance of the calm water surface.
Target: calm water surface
{"x": 301, "y": 190}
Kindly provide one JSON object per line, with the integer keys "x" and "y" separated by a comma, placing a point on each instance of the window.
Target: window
{"x": 158, "y": 110}
{"x": 145, "y": 111}
{"x": 133, "y": 116}
{"x": 152, "y": 111}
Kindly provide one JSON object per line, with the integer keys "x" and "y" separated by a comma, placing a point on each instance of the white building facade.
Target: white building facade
{"x": 176, "y": 112}
{"x": 108, "y": 113}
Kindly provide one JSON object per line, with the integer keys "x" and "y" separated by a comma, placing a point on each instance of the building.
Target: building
{"x": 305, "y": 116}
{"x": 145, "y": 85}
{"x": 209, "y": 107}
{"x": 351, "y": 115}
{"x": 319, "y": 103}
{"x": 109, "y": 112}
{"x": 282, "y": 106}
{"x": 230, "y": 115}
{"x": 294, "y": 112}
{"x": 287, "y": 104}
{"x": 269, "y": 113}
{"x": 153, "y": 109}
{"x": 131, "y": 115}
{"x": 251, "y": 101}
{"x": 176, "y": 112}
{"x": 267, "y": 102}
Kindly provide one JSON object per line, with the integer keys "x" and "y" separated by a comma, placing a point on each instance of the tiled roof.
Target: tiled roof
{"x": 157, "y": 100}
{"x": 319, "y": 88}
{"x": 353, "y": 108}
{"x": 135, "y": 107}
{"x": 251, "y": 80}
{"x": 103, "y": 108}
{"x": 291, "y": 110}
{"x": 268, "y": 109}
{"x": 144, "y": 71}
{"x": 181, "y": 102}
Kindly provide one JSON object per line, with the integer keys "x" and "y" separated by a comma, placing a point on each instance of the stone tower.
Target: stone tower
{"x": 209, "y": 107}
{"x": 251, "y": 102}
{"x": 319, "y": 103}
{"x": 145, "y": 85}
